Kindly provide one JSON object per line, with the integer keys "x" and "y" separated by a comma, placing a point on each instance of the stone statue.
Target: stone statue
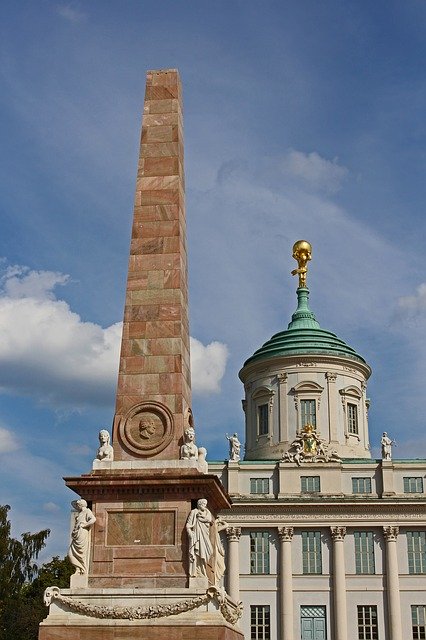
{"x": 200, "y": 545}
{"x": 234, "y": 447}
{"x": 79, "y": 546}
{"x": 386, "y": 443}
{"x": 219, "y": 564}
{"x": 206, "y": 552}
{"x": 302, "y": 252}
{"x": 189, "y": 450}
{"x": 105, "y": 451}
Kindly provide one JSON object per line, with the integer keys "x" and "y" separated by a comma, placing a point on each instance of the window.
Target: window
{"x": 367, "y": 622}
{"x": 310, "y": 484}
{"x": 260, "y": 622}
{"x": 418, "y": 616}
{"x": 361, "y": 485}
{"x": 308, "y": 412}
{"x": 263, "y": 419}
{"x": 259, "y": 552}
{"x": 416, "y": 545}
{"x": 364, "y": 552}
{"x": 352, "y": 413}
{"x": 259, "y": 485}
{"x": 311, "y": 552}
{"x": 413, "y": 485}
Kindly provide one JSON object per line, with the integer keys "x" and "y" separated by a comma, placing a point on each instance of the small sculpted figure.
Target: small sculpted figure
{"x": 219, "y": 565}
{"x": 386, "y": 443}
{"x": 234, "y": 447}
{"x": 302, "y": 252}
{"x": 200, "y": 546}
{"x": 189, "y": 450}
{"x": 105, "y": 451}
{"x": 79, "y": 546}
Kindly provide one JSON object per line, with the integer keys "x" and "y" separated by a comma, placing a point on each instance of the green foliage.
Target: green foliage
{"x": 22, "y": 582}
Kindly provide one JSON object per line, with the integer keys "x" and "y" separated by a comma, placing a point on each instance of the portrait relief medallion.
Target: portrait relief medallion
{"x": 147, "y": 428}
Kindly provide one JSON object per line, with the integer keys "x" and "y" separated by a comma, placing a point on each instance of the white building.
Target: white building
{"x": 324, "y": 542}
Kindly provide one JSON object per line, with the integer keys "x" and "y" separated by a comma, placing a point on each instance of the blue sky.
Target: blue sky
{"x": 303, "y": 119}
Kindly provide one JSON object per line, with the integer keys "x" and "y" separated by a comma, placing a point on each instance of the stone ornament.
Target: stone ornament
{"x": 338, "y": 533}
{"x": 231, "y": 611}
{"x": 147, "y": 428}
{"x": 233, "y": 533}
{"x": 79, "y": 547}
{"x": 308, "y": 447}
{"x": 206, "y": 553}
{"x": 189, "y": 450}
{"x": 234, "y": 447}
{"x": 391, "y": 533}
{"x": 286, "y": 533}
{"x": 105, "y": 453}
{"x": 386, "y": 443}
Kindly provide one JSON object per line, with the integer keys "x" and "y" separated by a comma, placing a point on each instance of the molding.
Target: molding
{"x": 231, "y": 612}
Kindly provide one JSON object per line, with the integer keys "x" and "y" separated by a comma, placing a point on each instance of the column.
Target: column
{"x": 339, "y": 583}
{"x": 332, "y": 406}
{"x": 233, "y": 565}
{"x": 283, "y": 413}
{"x": 392, "y": 583}
{"x": 286, "y": 583}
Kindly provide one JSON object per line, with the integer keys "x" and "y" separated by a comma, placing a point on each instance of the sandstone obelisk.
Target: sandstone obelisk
{"x": 154, "y": 385}
{"x": 141, "y": 581}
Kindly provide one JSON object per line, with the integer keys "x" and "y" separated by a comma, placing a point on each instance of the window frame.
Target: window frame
{"x": 418, "y": 626}
{"x": 263, "y": 483}
{"x": 364, "y": 480}
{"x": 308, "y": 390}
{"x": 311, "y": 553}
{"x": 368, "y": 625}
{"x": 365, "y": 563}
{"x": 416, "y": 552}
{"x": 352, "y": 420}
{"x": 310, "y": 484}
{"x": 260, "y": 561}
{"x": 413, "y": 484}
{"x": 260, "y": 622}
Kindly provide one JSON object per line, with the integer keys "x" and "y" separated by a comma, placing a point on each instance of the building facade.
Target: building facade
{"x": 324, "y": 542}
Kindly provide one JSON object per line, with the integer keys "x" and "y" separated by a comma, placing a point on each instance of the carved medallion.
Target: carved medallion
{"x": 147, "y": 429}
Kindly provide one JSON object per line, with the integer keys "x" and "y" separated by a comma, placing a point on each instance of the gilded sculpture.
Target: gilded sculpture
{"x": 302, "y": 253}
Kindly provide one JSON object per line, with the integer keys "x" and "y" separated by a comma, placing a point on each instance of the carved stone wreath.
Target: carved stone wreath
{"x": 231, "y": 612}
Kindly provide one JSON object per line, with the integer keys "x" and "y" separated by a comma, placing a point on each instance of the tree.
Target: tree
{"x": 18, "y": 572}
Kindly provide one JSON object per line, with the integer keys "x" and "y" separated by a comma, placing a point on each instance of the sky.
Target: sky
{"x": 303, "y": 119}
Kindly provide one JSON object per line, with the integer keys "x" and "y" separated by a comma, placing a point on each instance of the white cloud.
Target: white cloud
{"x": 208, "y": 365}
{"x": 412, "y": 309}
{"x": 47, "y": 350}
{"x": 51, "y": 507}
{"x": 70, "y": 13}
{"x": 314, "y": 170}
{"x": 8, "y": 441}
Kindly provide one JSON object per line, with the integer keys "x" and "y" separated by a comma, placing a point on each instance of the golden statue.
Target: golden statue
{"x": 302, "y": 251}
{"x": 309, "y": 439}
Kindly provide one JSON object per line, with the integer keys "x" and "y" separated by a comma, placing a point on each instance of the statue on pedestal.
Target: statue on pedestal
{"x": 386, "y": 443}
{"x": 234, "y": 447}
{"x": 79, "y": 546}
{"x": 200, "y": 546}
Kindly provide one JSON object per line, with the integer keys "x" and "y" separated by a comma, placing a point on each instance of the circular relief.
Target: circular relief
{"x": 147, "y": 428}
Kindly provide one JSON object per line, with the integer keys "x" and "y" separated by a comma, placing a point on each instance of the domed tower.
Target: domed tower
{"x": 302, "y": 381}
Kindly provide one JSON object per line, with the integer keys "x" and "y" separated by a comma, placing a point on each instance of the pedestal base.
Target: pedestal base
{"x": 140, "y": 614}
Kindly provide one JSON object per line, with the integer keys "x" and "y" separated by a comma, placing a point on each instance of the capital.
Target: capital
{"x": 338, "y": 533}
{"x": 285, "y": 534}
{"x": 233, "y": 533}
{"x": 331, "y": 376}
{"x": 282, "y": 377}
{"x": 390, "y": 533}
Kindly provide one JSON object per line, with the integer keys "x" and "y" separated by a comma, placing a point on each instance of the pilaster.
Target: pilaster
{"x": 392, "y": 583}
{"x": 285, "y": 535}
{"x": 339, "y": 583}
{"x": 233, "y": 570}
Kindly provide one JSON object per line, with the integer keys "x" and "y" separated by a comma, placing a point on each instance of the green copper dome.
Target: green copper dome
{"x": 304, "y": 336}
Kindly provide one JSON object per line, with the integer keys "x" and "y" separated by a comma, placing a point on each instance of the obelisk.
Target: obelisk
{"x": 141, "y": 577}
{"x": 154, "y": 385}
